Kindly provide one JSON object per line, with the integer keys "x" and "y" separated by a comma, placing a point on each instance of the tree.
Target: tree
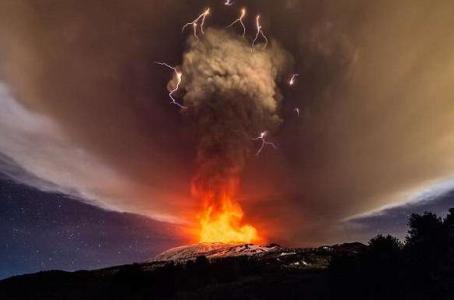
{"x": 385, "y": 244}
{"x": 425, "y": 229}
{"x": 381, "y": 267}
{"x": 449, "y": 224}
{"x": 426, "y": 255}
{"x": 450, "y": 217}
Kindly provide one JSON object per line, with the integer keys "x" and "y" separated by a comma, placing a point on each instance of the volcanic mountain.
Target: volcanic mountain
{"x": 422, "y": 268}
{"x": 216, "y": 250}
{"x": 200, "y": 271}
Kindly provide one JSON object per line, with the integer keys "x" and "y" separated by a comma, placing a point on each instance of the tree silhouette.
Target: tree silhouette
{"x": 425, "y": 230}
{"x": 449, "y": 224}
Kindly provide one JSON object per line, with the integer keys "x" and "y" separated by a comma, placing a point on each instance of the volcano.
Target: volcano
{"x": 199, "y": 271}
{"x": 216, "y": 250}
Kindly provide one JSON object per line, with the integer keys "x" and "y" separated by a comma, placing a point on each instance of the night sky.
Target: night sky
{"x": 97, "y": 165}
{"x": 46, "y": 231}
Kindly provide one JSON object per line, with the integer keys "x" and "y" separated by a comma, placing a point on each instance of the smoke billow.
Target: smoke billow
{"x": 231, "y": 94}
{"x": 88, "y": 113}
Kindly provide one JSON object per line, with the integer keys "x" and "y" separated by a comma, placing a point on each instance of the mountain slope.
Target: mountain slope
{"x": 214, "y": 250}
{"x": 229, "y": 272}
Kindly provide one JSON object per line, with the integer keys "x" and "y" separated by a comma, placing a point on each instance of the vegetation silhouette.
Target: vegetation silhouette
{"x": 420, "y": 268}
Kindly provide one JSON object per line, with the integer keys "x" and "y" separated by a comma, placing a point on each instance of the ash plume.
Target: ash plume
{"x": 375, "y": 94}
{"x": 231, "y": 94}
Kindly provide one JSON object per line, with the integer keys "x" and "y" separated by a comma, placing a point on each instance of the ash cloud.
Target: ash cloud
{"x": 231, "y": 95}
{"x": 35, "y": 151}
{"x": 375, "y": 92}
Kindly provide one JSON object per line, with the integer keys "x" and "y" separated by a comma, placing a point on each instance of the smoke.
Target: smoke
{"x": 232, "y": 95}
{"x": 375, "y": 94}
{"x": 28, "y": 140}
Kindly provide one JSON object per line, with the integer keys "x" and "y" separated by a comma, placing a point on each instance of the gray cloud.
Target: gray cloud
{"x": 375, "y": 91}
{"x": 36, "y": 152}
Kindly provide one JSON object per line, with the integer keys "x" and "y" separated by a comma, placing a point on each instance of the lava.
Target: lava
{"x": 221, "y": 220}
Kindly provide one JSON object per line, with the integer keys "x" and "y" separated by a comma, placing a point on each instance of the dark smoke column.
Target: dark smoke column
{"x": 231, "y": 96}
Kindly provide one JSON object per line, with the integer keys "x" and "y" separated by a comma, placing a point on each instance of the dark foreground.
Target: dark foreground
{"x": 422, "y": 268}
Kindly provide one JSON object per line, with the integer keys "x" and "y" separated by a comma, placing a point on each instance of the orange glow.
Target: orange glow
{"x": 221, "y": 221}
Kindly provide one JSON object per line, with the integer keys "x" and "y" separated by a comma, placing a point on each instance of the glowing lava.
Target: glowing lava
{"x": 225, "y": 225}
{"x": 221, "y": 221}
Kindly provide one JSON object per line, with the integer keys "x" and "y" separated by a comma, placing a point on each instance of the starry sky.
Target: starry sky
{"x": 47, "y": 231}
{"x": 97, "y": 165}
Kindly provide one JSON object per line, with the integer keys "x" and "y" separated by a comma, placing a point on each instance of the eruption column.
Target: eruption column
{"x": 230, "y": 95}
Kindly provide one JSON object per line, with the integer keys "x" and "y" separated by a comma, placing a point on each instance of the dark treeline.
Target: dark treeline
{"x": 421, "y": 267}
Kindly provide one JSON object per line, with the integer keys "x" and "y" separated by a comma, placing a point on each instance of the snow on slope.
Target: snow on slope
{"x": 213, "y": 250}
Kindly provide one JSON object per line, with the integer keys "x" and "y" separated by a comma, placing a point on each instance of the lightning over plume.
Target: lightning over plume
{"x": 195, "y": 23}
{"x": 292, "y": 80}
{"x": 263, "y": 142}
{"x": 240, "y": 21}
{"x": 297, "y": 110}
{"x": 178, "y": 76}
{"x": 229, "y": 97}
{"x": 259, "y": 33}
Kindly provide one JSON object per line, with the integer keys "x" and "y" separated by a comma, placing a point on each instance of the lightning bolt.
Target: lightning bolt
{"x": 179, "y": 76}
{"x": 240, "y": 20}
{"x": 297, "y": 110}
{"x": 194, "y": 29}
{"x": 293, "y": 79}
{"x": 264, "y": 142}
{"x": 259, "y": 33}
{"x": 202, "y": 17}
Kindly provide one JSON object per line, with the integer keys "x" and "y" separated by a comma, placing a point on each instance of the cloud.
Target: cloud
{"x": 36, "y": 152}
{"x": 375, "y": 93}
{"x": 394, "y": 220}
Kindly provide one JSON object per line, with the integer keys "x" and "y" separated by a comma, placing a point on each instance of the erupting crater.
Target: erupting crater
{"x": 222, "y": 218}
{"x": 224, "y": 224}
